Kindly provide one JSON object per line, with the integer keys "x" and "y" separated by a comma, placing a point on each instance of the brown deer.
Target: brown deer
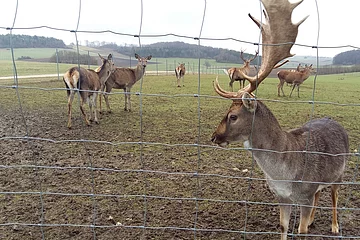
{"x": 299, "y": 163}
{"x": 88, "y": 82}
{"x": 296, "y": 78}
{"x": 237, "y": 74}
{"x": 180, "y": 73}
{"x": 125, "y": 78}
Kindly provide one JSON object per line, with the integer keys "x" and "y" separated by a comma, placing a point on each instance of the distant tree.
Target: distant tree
{"x": 72, "y": 58}
{"x": 207, "y": 64}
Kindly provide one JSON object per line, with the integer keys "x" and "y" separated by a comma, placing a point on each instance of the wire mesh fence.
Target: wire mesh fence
{"x": 153, "y": 173}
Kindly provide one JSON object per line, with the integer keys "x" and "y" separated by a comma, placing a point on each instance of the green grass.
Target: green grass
{"x": 5, "y": 53}
{"x": 164, "y": 114}
{"x": 161, "y": 96}
{"x": 25, "y": 68}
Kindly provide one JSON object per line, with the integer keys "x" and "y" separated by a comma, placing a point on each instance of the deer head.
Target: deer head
{"x": 278, "y": 37}
{"x": 142, "y": 61}
{"x": 248, "y": 61}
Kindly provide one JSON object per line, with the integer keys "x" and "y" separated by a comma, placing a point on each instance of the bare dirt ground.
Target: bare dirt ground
{"x": 59, "y": 185}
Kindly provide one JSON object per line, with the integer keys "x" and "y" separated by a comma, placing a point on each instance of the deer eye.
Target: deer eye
{"x": 233, "y": 117}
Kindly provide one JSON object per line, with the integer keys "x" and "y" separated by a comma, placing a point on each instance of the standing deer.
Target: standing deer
{"x": 237, "y": 74}
{"x": 180, "y": 72}
{"x": 125, "y": 78}
{"x": 88, "y": 82}
{"x": 299, "y": 163}
{"x": 296, "y": 78}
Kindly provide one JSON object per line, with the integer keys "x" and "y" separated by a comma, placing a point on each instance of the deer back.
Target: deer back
{"x": 122, "y": 78}
{"x": 84, "y": 79}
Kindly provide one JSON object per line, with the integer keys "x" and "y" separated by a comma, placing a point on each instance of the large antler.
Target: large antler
{"x": 278, "y": 37}
{"x": 250, "y": 59}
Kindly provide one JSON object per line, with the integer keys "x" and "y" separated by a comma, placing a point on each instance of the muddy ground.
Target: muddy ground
{"x": 99, "y": 182}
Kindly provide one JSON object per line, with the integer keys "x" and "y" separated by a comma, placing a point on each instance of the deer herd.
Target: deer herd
{"x": 298, "y": 164}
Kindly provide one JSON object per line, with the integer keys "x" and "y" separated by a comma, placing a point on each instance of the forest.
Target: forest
{"x": 175, "y": 49}
{"x": 26, "y": 41}
{"x": 347, "y": 58}
{"x": 182, "y": 50}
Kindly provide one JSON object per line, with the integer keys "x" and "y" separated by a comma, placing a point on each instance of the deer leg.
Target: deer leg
{"x": 106, "y": 97}
{"x": 285, "y": 211}
{"x": 125, "y": 94}
{"x": 298, "y": 88}
{"x": 129, "y": 101}
{"x": 231, "y": 84}
{"x": 95, "y": 108}
{"x": 90, "y": 102}
{"x": 294, "y": 85}
{"x": 178, "y": 82}
{"x": 70, "y": 100}
{"x": 83, "y": 112}
{"x": 334, "y": 199}
{"x": 280, "y": 87}
{"x": 305, "y": 213}
{"x": 100, "y": 100}
{"x": 183, "y": 81}
{"x": 316, "y": 200}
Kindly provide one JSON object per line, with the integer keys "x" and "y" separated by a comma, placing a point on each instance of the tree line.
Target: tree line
{"x": 181, "y": 50}
{"x": 26, "y": 41}
{"x": 73, "y": 58}
{"x": 351, "y": 57}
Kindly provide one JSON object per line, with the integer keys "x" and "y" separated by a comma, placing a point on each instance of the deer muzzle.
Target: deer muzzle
{"x": 217, "y": 140}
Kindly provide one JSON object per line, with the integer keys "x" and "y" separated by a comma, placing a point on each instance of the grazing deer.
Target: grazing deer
{"x": 237, "y": 74}
{"x": 299, "y": 163}
{"x": 180, "y": 72}
{"x": 88, "y": 82}
{"x": 296, "y": 78}
{"x": 125, "y": 78}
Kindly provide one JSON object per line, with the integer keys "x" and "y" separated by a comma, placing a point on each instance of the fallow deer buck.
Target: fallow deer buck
{"x": 125, "y": 78}
{"x": 299, "y": 163}
{"x": 88, "y": 82}
{"x": 295, "y": 78}
{"x": 237, "y": 74}
{"x": 180, "y": 73}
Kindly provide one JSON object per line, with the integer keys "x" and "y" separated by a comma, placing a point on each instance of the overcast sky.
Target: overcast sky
{"x": 331, "y": 23}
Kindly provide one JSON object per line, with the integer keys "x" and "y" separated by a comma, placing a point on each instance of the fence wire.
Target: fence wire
{"x": 146, "y": 194}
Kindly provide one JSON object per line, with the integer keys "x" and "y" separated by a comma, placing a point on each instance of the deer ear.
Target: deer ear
{"x": 249, "y": 102}
{"x": 149, "y": 57}
{"x": 110, "y": 56}
{"x": 136, "y": 56}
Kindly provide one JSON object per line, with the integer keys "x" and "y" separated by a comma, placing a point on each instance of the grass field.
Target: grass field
{"x": 156, "y": 64}
{"x": 154, "y": 183}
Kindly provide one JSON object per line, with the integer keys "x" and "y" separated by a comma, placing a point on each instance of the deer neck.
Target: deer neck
{"x": 103, "y": 75}
{"x": 270, "y": 137}
{"x": 139, "y": 72}
{"x": 246, "y": 68}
